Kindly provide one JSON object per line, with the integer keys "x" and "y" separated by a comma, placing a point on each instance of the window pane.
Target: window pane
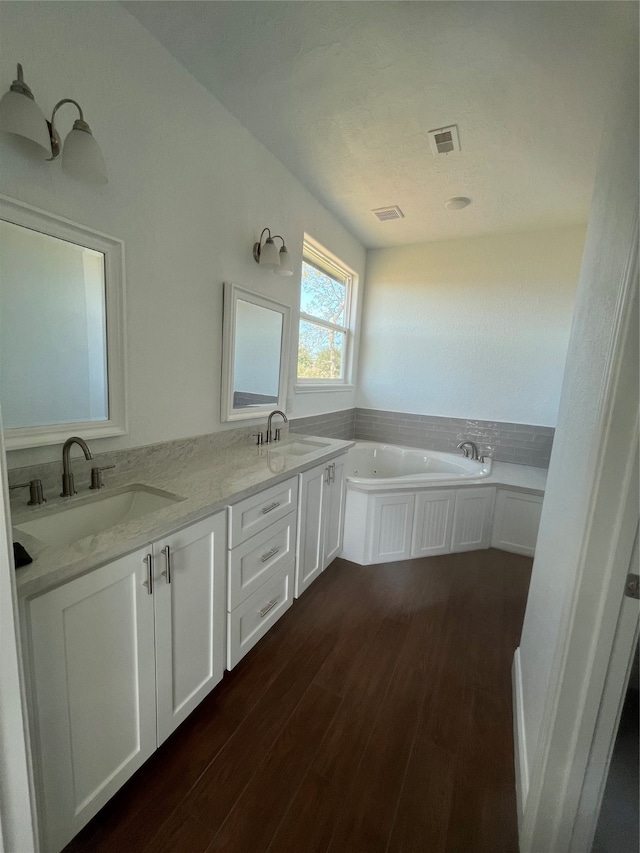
{"x": 322, "y": 296}
{"x": 320, "y": 352}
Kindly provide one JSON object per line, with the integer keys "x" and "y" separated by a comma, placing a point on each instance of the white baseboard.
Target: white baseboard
{"x": 519, "y": 737}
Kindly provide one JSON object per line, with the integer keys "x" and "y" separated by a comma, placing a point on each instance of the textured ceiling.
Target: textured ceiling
{"x": 343, "y": 93}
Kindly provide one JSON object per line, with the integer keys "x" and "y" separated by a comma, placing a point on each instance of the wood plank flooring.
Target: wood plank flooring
{"x": 374, "y": 718}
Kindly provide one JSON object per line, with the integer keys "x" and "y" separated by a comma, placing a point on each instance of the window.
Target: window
{"x": 324, "y": 344}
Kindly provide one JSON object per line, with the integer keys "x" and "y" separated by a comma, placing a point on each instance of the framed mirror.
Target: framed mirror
{"x": 255, "y": 354}
{"x": 62, "y": 348}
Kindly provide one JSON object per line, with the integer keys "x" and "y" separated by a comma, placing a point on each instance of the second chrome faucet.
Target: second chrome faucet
{"x": 68, "y": 487}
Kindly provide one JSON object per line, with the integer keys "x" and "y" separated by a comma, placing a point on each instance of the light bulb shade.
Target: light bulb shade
{"x": 286, "y": 264}
{"x": 269, "y": 255}
{"x": 23, "y": 117}
{"x": 82, "y": 158}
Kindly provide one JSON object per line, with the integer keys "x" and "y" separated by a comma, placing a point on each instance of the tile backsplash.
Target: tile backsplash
{"x": 523, "y": 444}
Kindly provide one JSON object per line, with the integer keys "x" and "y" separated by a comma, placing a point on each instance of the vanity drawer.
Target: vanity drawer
{"x": 259, "y": 558}
{"x": 253, "y": 514}
{"x": 251, "y": 620}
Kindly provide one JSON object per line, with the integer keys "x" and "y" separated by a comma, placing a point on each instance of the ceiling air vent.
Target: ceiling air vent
{"x": 444, "y": 140}
{"x": 385, "y": 214}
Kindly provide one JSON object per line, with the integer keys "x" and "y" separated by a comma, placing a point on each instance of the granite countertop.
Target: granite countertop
{"x": 207, "y": 482}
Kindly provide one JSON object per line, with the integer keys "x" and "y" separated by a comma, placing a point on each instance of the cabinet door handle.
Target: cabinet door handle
{"x": 149, "y": 582}
{"x": 269, "y": 554}
{"x": 333, "y": 472}
{"x": 272, "y": 506}
{"x": 327, "y": 474}
{"x": 167, "y": 556}
{"x": 267, "y": 608}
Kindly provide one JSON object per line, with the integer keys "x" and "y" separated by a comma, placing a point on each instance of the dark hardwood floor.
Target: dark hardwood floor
{"x": 375, "y": 716}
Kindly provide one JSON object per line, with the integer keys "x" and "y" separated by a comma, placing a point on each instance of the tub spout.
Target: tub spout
{"x": 465, "y": 445}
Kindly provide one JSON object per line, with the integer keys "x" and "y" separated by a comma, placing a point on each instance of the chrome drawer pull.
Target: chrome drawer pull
{"x": 270, "y": 507}
{"x": 149, "y": 582}
{"x": 167, "y": 555}
{"x": 267, "y": 608}
{"x": 269, "y": 554}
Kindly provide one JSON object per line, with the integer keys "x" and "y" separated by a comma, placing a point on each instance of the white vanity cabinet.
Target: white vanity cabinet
{"x": 92, "y": 665}
{"x": 189, "y": 599}
{"x": 261, "y": 565}
{"x": 516, "y": 521}
{"x": 320, "y": 520}
{"x": 116, "y": 659}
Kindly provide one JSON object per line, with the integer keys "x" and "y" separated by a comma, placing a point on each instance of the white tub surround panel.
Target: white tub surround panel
{"x": 470, "y": 328}
{"x": 187, "y": 211}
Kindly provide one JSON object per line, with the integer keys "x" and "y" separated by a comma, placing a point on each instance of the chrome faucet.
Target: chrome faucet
{"x": 465, "y": 445}
{"x": 270, "y": 437}
{"x": 68, "y": 487}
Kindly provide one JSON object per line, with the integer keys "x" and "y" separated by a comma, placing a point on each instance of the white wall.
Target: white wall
{"x": 470, "y": 328}
{"x": 581, "y": 528}
{"x": 189, "y": 192}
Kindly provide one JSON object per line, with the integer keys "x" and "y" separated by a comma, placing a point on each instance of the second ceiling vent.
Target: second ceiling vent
{"x": 384, "y": 214}
{"x": 444, "y": 140}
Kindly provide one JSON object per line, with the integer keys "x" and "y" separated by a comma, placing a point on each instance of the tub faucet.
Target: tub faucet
{"x": 68, "y": 487}
{"x": 465, "y": 445}
{"x": 270, "y": 437}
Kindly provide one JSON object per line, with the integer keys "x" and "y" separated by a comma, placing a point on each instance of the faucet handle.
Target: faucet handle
{"x": 36, "y": 496}
{"x": 260, "y": 438}
{"x": 96, "y": 476}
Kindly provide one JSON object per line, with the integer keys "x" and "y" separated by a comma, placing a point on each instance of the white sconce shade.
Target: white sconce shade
{"x": 81, "y": 155}
{"x": 269, "y": 256}
{"x": 20, "y": 115}
{"x": 82, "y": 158}
{"x": 286, "y": 264}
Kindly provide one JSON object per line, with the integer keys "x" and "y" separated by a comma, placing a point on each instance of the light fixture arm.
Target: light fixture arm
{"x": 20, "y": 86}
{"x": 258, "y": 246}
{"x": 79, "y": 124}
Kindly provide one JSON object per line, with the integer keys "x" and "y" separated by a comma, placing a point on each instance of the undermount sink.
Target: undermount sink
{"x": 67, "y": 524}
{"x": 299, "y": 447}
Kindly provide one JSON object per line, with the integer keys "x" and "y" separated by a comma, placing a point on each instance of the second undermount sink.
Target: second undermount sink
{"x": 66, "y": 524}
{"x": 298, "y": 446}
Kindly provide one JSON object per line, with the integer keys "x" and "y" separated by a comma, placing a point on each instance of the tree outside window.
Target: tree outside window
{"x": 324, "y": 316}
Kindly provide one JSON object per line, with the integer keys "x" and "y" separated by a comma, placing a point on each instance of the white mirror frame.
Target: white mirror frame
{"x": 233, "y": 293}
{"x": 113, "y": 249}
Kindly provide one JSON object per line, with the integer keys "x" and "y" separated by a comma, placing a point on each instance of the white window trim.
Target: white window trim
{"x": 316, "y": 255}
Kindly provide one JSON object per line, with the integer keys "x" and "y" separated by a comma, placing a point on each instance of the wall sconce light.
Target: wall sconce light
{"x": 81, "y": 155}
{"x": 268, "y": 256}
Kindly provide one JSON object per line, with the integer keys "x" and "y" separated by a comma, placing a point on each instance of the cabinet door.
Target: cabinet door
{"x": 310, "y": 549}
{"x": 516, "y": 522}
{"x": 190, "y": 619}
{"x": 91, "y": 656}
{"x": 433, "y": 522}
{"x": 334, "y": 511}
{"x": 389, "y": 525}
{"x": 472, "y": 519}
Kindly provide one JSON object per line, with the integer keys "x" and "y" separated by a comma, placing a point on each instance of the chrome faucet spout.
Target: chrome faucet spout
{"x": 270, "y": 437}
{"x": 68, "y": 486}
{"x": 465, "y": 445}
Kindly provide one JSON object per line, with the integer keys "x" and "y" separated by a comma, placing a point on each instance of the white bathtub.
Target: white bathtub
{"x": 402, "y": 503}
{"x": 376, "y": 467}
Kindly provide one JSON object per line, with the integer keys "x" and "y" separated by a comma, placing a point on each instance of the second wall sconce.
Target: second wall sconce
{"x": 81, "y": 155}
{"x": 267, "y": 255}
